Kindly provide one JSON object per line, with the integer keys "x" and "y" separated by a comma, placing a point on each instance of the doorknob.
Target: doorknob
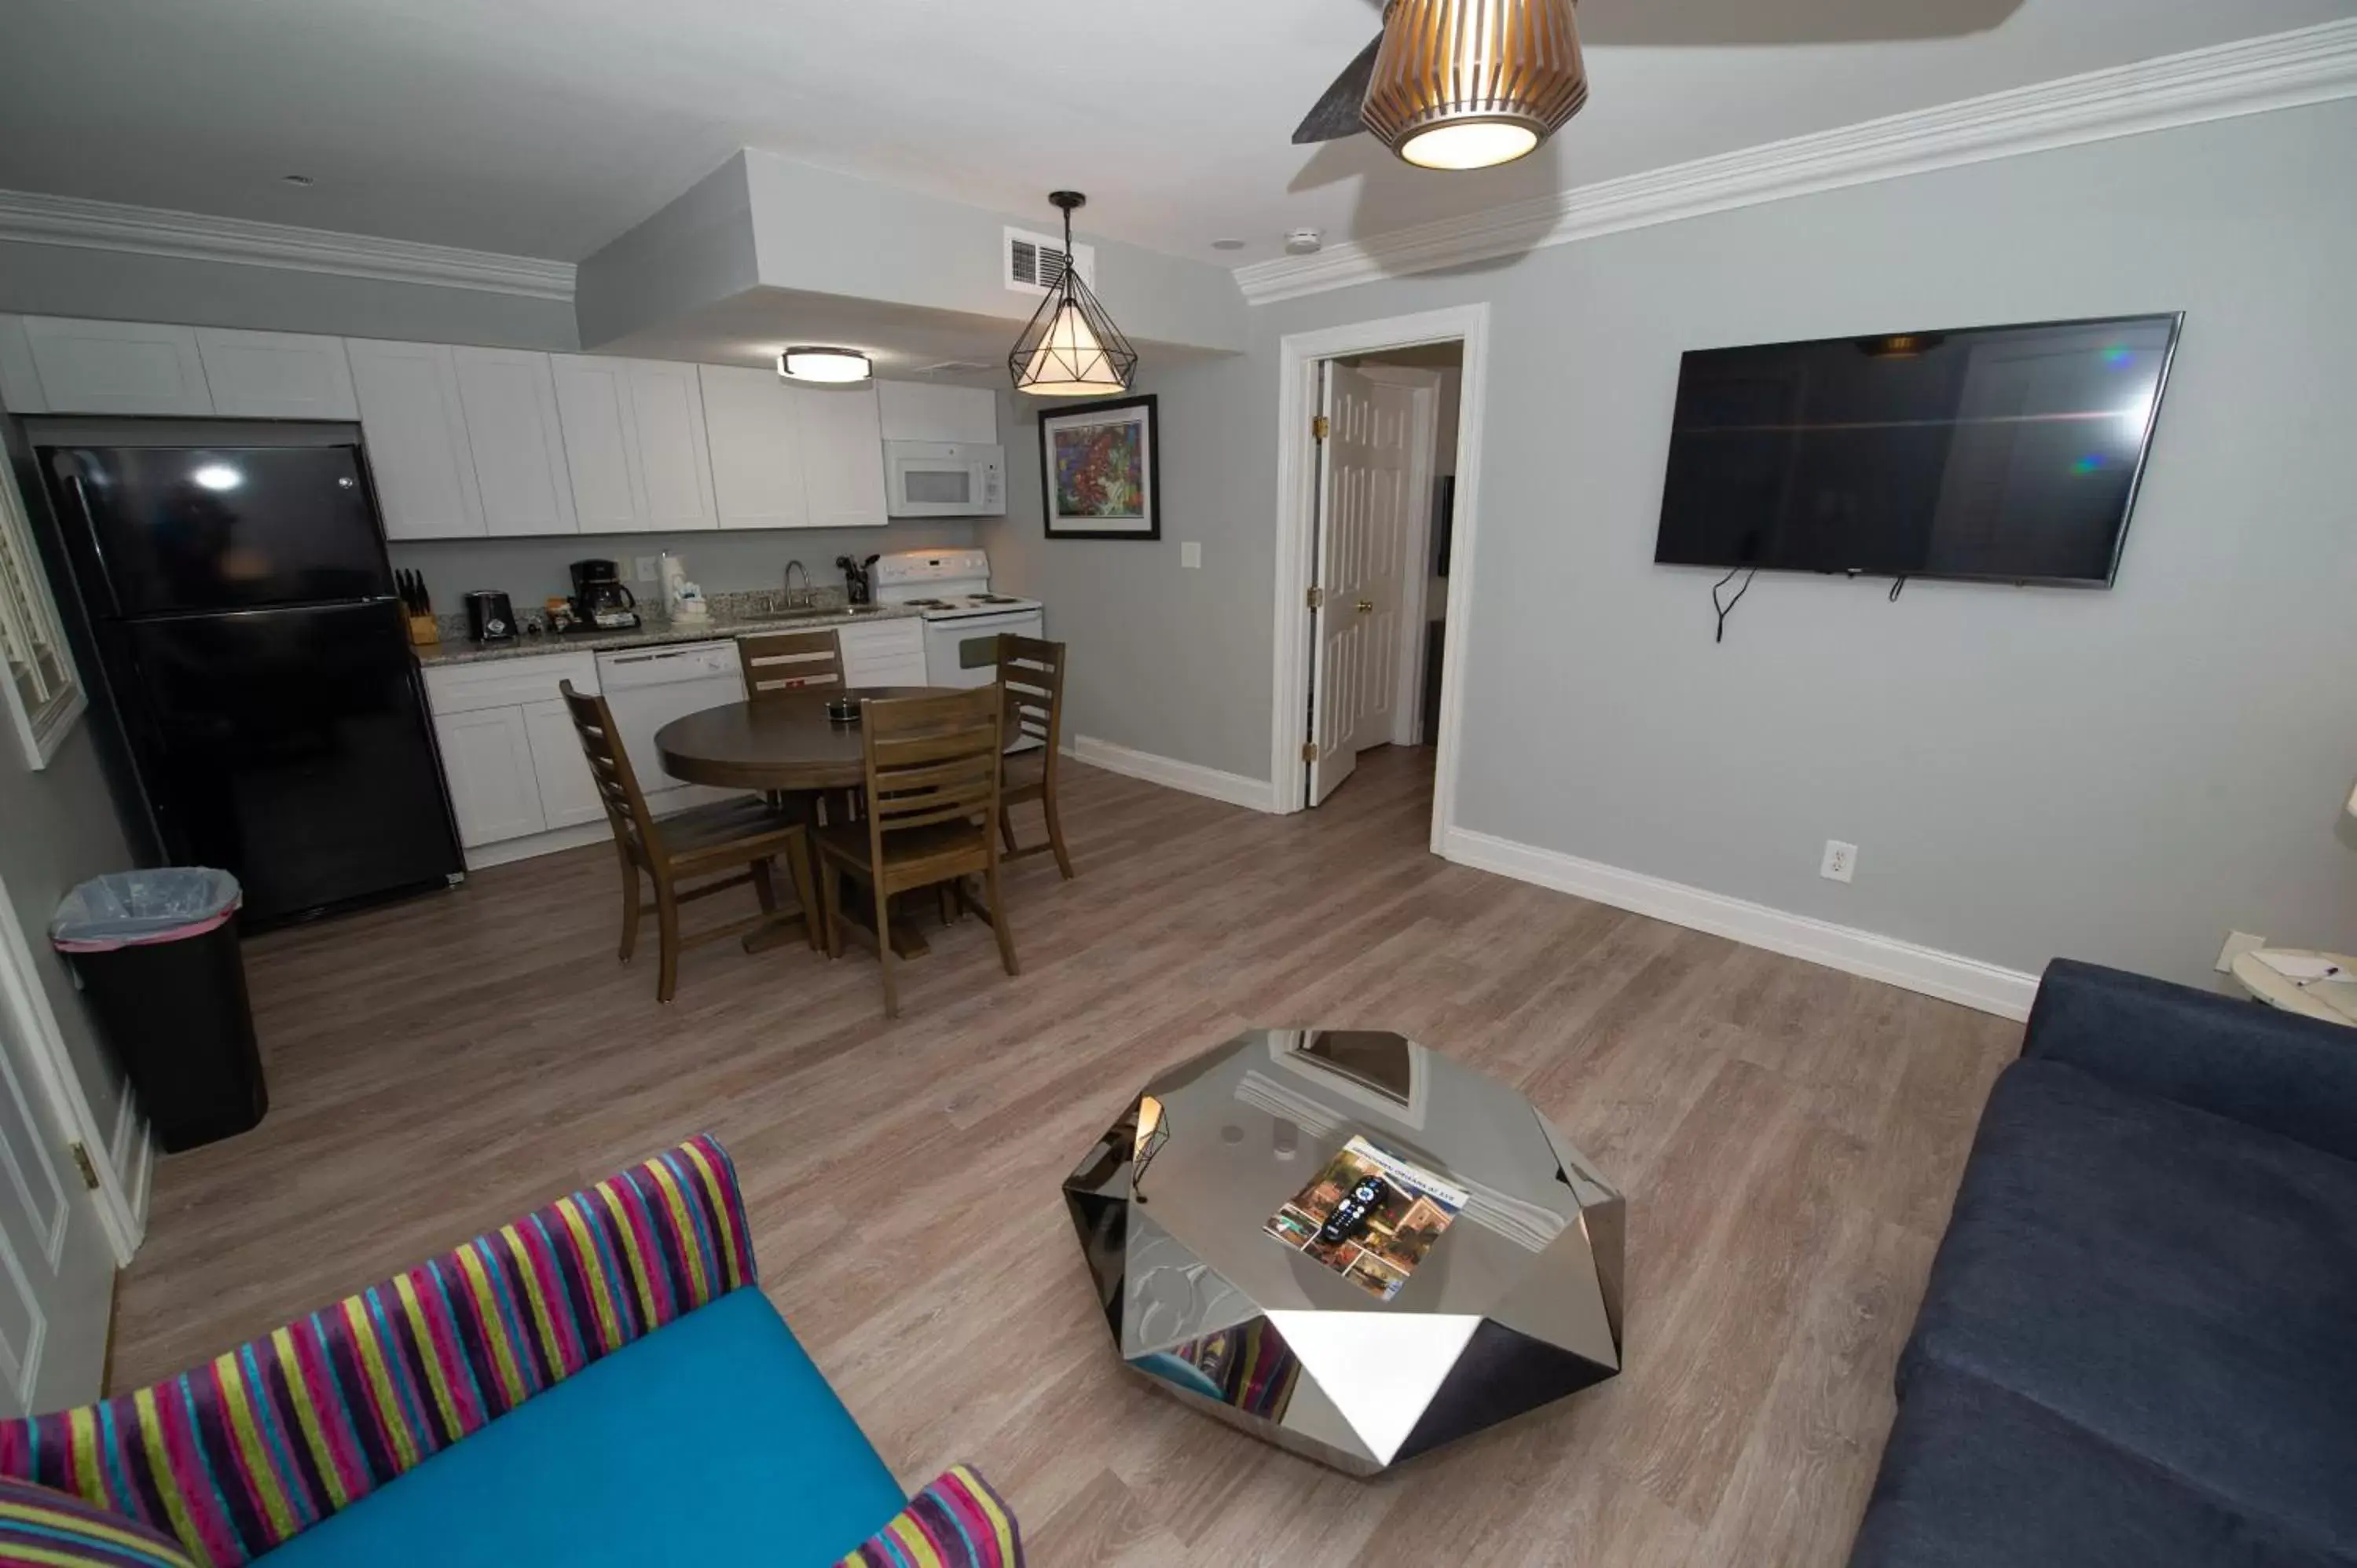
{"x": 1366, "y": 607}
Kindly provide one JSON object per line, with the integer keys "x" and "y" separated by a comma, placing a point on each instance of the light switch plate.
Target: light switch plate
{"x": 646, "y": 567}
{"x": 1191, "y": 555}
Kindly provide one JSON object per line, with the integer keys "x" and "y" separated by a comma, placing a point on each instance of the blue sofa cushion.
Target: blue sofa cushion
{"x": 712, "y": 1440}
{"x": 2180, "y": 1286}
{"x": 1976, "y": 1476}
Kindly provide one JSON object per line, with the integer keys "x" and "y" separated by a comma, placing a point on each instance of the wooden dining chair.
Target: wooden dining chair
{"x": 777, "y": 662}
{"x": 741, "y": 838}
{"x": 933, "y": 794}
{"x": 1031, "y": 672}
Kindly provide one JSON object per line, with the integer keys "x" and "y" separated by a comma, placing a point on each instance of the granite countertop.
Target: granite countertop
{"x": 722, "y": 623}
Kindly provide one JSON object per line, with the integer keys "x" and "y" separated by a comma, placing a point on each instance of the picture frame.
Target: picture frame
{"x": 1100, "y": 469}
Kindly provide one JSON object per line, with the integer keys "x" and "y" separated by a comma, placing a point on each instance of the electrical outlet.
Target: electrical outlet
{"x": 1191, "y": 555}
{"x": 646, "y": 568}
{"x": 1840, "y": 864}
{"x": 2237, "y": 944}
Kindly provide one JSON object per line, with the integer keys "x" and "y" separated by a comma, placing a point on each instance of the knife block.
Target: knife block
{"x": 424, "y": 631}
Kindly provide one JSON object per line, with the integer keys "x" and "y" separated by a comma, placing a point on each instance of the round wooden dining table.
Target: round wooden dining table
{"x": 783, "y": 743}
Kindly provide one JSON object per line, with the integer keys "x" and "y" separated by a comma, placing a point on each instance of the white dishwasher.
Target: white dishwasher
{"x": 648, "y": 687}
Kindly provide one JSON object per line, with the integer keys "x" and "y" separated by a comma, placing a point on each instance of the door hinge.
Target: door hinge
{"x": 1317, "y": 598}
{"x": 1309, "y": 754}
{"x": 83, "y": 1164}
{"x": 1321, "y": 427}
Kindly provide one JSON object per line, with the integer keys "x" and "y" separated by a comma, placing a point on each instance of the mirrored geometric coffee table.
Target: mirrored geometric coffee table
{"x": 1350, "y": 1245}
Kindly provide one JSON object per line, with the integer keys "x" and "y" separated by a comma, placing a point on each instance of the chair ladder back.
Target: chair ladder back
{"x": 777, "y": 662}
{"x": 609, "y": 768}
{"x": 1032, "y": 672}
{"x": 931, "y": 759}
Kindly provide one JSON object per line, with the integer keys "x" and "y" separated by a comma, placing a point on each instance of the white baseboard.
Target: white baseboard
{"x": 1236, "y": 789}
{"x": 1950, "y": 976}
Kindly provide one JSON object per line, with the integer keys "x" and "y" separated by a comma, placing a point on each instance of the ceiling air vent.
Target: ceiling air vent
{"x": 1035, "y": 263}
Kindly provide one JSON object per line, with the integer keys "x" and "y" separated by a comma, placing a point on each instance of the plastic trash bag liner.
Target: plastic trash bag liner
{"x": 133, "y": 908}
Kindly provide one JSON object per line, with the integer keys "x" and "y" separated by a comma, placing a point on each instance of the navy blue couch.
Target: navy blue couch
{"x": 2138, "y": 1347}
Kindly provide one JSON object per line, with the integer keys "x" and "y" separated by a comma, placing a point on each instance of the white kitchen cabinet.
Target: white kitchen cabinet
{"x": 486, "y": 762}
{"x": 753, "y": 425}
{"x": 416, "y": 430}
{"x": 593, "y": 410}
{"x": 568, "y": 790}
{"x": 634, "y": 443}
{"x": 919, "y": 410}
{"x": 508, "y": 400}
{"x": 883, "y": 652}
{"x": 276, "y": 375}
{"x": 118, "y": 367}
{"x": 667, "y": 440}
{"x": 843, "y": 456}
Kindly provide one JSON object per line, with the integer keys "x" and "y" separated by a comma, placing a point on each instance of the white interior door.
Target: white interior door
{"x": 1366, "y": 464}
{"x": 57, "y": 1269}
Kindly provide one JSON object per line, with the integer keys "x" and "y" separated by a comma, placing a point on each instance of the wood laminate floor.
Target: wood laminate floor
{"x": 1788, "y": 1139}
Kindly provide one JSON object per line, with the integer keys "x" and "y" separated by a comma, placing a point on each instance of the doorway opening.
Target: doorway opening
{"x": 1377, "y": 465}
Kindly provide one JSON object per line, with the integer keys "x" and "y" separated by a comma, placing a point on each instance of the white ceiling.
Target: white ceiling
{"x": 546, "y": 127}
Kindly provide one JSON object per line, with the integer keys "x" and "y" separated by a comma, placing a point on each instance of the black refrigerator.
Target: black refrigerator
{"x": 258, "y": 663}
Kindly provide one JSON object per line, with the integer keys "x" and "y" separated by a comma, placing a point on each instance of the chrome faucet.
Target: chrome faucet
{"x": 790, "y": 600}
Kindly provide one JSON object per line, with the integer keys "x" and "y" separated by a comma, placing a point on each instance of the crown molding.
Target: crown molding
{"x": 2283, "y": 70}
{"x": 193, "y": 237}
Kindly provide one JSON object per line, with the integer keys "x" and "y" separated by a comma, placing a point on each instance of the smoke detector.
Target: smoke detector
{"x": 1304, "y": 242}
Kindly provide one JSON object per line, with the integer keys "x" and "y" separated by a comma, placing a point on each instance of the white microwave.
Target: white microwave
{"x": 944, "y": 479}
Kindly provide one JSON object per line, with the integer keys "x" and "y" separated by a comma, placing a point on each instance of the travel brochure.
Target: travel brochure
{"x": 1369, "y": 1216}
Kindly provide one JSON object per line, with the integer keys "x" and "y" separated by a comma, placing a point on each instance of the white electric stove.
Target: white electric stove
{"x": 950, "y": 590}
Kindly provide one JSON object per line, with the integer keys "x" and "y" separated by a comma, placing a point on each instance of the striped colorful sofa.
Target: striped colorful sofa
{"x": 587, "y": 1436}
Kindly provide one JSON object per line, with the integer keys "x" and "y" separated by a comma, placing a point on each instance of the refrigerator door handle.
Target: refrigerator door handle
{"x": 97, "y": 544}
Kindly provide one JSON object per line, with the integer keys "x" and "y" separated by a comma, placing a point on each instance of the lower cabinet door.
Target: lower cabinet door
{"x": 568, "y": 792}
{"x": 494, "y": 788}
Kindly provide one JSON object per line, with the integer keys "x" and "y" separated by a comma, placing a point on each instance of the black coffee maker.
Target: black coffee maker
{"x": 601, "y": 600}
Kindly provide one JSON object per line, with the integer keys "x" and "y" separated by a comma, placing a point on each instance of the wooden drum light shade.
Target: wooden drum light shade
{"x": 1465, "y": 84}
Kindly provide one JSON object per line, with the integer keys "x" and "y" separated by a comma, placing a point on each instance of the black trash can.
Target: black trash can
{"x": 156, "y": 952}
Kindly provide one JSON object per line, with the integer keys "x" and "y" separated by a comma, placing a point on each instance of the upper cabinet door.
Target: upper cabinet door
{"x": 919, "y": 410}
{"x": 843, "y": 456}
{"x": 276, "y": 375}
{"x": 667, "y": 437}
{"x": 752, "y": 421}
{"x": 510, "y": 403}
{"x": 593, "y": 403}
{"x": 118, "y": 367}
{"x": 416, "y": 434}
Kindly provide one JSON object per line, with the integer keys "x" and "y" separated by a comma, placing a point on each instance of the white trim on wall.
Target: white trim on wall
{"x": 1193, "y": 778}
{"x": 2283, "y": 70}
{"x": 1949, "y": 976}
{"x": 194, "y": 237}
{"x": 1296, "y": 533}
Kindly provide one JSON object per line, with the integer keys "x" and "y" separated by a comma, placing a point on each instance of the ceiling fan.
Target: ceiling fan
{"x": 1459, "y": 84}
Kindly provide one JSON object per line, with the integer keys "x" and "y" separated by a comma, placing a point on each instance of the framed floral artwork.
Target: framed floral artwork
{"x": 1101, "y": 464}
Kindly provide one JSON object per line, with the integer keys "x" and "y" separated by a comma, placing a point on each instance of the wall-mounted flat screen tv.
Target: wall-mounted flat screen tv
{"x": 2008, "y": 454}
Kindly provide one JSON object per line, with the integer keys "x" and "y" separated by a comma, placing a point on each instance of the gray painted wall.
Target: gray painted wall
{"x": 2120, "y": 776}
{"x": 733, "y": 561}
{"x": 61, "y": 280}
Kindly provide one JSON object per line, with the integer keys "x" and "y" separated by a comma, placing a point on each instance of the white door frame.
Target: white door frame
{"x": 121, "y": 1212}
{"x": 1296, "y": 531}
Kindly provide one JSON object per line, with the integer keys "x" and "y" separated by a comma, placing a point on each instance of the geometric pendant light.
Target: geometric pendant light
{"x": 1071, "y": 348}
{"x": 1463, "y": 84}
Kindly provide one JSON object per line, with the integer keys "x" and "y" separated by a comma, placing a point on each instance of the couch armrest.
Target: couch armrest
{"x": 243, "y": 1454}
{"x": 2277, "y": 1071}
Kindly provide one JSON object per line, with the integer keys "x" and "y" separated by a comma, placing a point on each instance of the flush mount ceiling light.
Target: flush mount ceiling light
{"x": 1071, "y": 348}
{"x": 832, "y": 365}
{"x": 1460, "y": 84}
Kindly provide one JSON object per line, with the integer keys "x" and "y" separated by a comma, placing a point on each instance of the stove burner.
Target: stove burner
{"x": 994, "y": 599}
{"x": 929, "y": 604}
